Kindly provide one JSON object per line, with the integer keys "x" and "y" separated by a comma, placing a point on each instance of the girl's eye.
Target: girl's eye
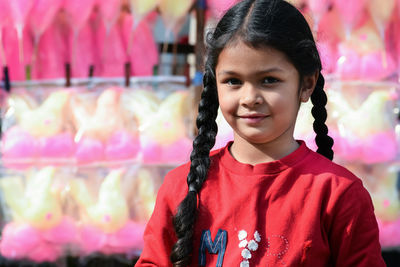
{"x": 269, "y": 80}
{"x": 232, "y": 81}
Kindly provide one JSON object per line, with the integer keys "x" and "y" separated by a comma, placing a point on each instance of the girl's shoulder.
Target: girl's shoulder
{"x": 330, "y": 175}
{"x": 318, "y": 164}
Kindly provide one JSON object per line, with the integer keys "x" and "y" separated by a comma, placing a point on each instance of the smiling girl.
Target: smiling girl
{"x": 264, "y": 199}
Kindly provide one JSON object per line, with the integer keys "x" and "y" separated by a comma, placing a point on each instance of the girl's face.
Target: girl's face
{"x": 259, "y": 94}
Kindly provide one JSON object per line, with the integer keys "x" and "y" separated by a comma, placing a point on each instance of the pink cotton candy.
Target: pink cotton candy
{"x": 151, "y": 151}
{"x": 58, "y": 146}
{"x": 379, "y": 147}
{"x": 111, "y": 51}
{"x": 389, "y": 233}
{"x": 85, "y": 49}
{"x": 377, "y": 65}
{"x": 128, "y": 237}
{"x": 110, "y": 11}
{"x": 12, "y": 53}
{"x": 19, "y": 148}
{"x": 45, "y": 252}
{"x": 78, "y": 12}
{"x": 18, "y": 240}
{"x": 89, "y": 150}
{"x": 52, "y": 54}
{"x": 142, "y": 47}
{"x": 328, "y": 55}
{"x": 42, "y": 15}
{"x": 92, "y": 239}
{"x": 218, "y": 7}
{"x": 347, "y": 147}
{"x": 348, "y": 64}
{"x": 177, "y": 152}
{"x": 122, "y": 146}
{"x": 350, "y": 12}
{"x": 64, "y": 233}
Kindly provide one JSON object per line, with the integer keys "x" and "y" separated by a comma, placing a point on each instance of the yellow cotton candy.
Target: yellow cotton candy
{"x": 35, "y": 204}
{"x": 142, "y": 7}
{"x": 370, "y": 117}
{"x": 110, "y": 211}
{"x": 168, "y": 124}
{"x": 45, "y": 120}
{"x": 104, "y": 121}
{"x": 174, "y": 10}
{"x": 144, "y": 194}
{"x": 381, "y": 11}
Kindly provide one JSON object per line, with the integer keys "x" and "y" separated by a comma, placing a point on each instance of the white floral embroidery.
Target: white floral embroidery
{"x": 248, "y": 246}
{"x": 257, "y": 236}
{"x": 242, "y": 234}
{"x": 246, "y": 254}
{"x": 252, "y": 245}
{"x": 243, "y": 244}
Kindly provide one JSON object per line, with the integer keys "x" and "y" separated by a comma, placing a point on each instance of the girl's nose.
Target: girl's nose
{"x": 250, "y": 96}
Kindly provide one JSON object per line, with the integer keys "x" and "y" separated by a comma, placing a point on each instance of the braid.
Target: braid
{"x": 319, "y": 100}
{"x": 185, "y": 217}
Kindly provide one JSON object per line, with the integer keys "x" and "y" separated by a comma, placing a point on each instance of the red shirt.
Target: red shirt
{"x": 302, "y": 210}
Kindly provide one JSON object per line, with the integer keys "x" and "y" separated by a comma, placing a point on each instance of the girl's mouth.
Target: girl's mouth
{"x": 253, "y": 118}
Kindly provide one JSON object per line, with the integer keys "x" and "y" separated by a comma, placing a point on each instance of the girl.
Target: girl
{"x": 265, "y": 199}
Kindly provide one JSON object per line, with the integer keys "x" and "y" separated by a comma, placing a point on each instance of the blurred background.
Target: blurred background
{"x": 98, "y": 101}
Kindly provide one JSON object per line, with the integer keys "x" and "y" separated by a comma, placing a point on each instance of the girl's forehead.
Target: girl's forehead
{"x": 239, "y": 54}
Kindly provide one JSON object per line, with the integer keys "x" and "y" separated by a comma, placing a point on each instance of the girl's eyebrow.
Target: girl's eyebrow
{"x": 230, "y": 72}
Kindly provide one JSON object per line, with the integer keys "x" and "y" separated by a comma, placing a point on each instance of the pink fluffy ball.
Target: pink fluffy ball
{"x": 389, "y": 233}
{"x": 89, "y": 150}
{"x": 379, "y": 147}
{"x": 347, "y": 147}
{"x": 128, "y": 237}
{"x": 19, "y": 148}
{"x": 151, "y": 151}
{"x": 122, "y": 146}
{"x": 64, "y": 233}
{"x": 92, "y": 239}
{"x": 177, "y": 152}
{"x": 45, "y": 251}
{"x": 18, "y": 240}
{"x": 58, "y": 146}
{"x": 349, "y": 63}
{"x": 377, "y": 66}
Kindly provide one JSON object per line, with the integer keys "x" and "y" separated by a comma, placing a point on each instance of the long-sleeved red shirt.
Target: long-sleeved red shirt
{"x": 302, "y": 210}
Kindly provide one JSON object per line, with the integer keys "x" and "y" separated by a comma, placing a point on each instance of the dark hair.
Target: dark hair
{"x": 257, "y": 23}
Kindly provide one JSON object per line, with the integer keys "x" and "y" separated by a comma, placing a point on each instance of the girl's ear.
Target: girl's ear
{"x": 308, "y": 86}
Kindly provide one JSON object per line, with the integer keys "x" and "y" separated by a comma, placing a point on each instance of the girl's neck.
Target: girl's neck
{"x": 250, "y": 153}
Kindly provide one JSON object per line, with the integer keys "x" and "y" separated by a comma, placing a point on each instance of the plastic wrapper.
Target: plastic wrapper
{"x": 35, "y": 128}
{"x": 52, "y": 212}
{"x": 102, "y": 131}
{"x": 36, "y": 228}
{"x": 361, "y": 46}
{"x": 81, "y": 126}
{"x": 361, "y": 120}
{"x": 103, "y": 212}
{"x": 164, "y": 117}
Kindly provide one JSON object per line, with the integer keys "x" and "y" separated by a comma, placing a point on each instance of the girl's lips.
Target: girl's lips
{"x": 253, "y": 118}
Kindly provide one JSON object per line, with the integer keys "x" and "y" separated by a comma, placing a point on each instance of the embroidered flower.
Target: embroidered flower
{"x": 257, "y": 236}
{"x": 242, "y": 235}
{"x": 248, "y": 246}
{"x": 252, "y": 245}
{"x": 243, "y": 244}
{"x": 246, "y": 254}
{"x": 244, "y": 264}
